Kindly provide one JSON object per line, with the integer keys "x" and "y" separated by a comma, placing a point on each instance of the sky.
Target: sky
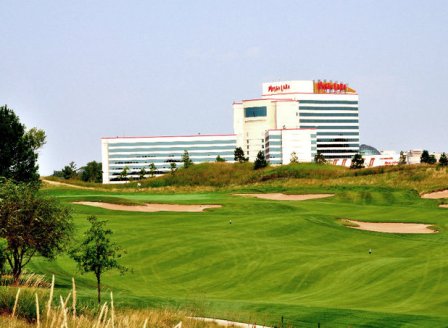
{"x": 82, "y": 70}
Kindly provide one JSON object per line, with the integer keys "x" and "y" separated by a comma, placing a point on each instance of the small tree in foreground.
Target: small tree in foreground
{"x": 260, "y": 161}
{"x": 97, "y": 253}
{"x": 238, "y": 155}
{"x": 357, "y": 162}
{"x": 443, "y": 160}
{"x": 31, "y": 224}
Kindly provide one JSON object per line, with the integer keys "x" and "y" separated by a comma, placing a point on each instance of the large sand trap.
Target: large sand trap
{"x": 150, "y": 207}
{"x": 278, "y": 196}
{"x": 444, "y": 206}
{"x": 436, "y": 195}
{"x": 391, "y": 227}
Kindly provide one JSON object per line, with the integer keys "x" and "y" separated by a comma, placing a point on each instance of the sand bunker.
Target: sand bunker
{"x": 278, "y": 196}
{"x": 391, "y": 227}
{"x": 150, "y": 207}
{"x": 444, "y": 206}
{"x": 436, "y": 195}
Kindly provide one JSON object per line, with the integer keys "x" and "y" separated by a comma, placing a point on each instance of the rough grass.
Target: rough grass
{"x": 225, "y": 176}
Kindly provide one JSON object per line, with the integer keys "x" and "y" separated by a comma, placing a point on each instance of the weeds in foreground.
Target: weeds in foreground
{"x": 29, "y": 309}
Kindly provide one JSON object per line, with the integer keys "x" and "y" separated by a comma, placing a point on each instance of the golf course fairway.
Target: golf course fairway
{"x": 290, "y": 259}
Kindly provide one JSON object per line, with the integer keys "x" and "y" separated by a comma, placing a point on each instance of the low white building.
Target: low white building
{"x": 135, "y": 153}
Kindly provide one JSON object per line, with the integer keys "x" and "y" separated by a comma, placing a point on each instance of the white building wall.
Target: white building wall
{"x": 298, "y": 141}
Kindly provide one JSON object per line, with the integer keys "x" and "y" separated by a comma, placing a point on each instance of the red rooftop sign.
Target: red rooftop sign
{"x": 277, "y": 88}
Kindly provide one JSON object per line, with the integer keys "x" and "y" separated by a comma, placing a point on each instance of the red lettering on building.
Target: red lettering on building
{"x": 277, "y": 88}
{"x": 330, "y": 87}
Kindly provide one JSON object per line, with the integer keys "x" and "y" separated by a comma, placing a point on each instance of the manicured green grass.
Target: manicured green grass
{"x": 291, "y": 259}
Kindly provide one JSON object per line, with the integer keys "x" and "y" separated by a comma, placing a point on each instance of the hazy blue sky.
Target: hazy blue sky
{"x": 82, "y": 70}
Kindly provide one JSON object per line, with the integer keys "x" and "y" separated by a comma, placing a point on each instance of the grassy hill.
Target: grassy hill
{"x": 277, "y": 258}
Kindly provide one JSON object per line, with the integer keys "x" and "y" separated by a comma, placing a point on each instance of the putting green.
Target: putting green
{"x": 277, "y": 258}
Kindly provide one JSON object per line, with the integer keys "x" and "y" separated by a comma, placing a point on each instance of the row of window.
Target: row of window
{"x": 326, "y": 127}
{"x": 153, "y": 155}
{"x": 169, "y": 143}
{"x": 338, "y": 140}
{"x": 337, "y": 134}
{"x": 353, "y": 109}
{"x": 329, "y": 114}
{"x": 126, "y": 150}
{"x": 327, "y": 121}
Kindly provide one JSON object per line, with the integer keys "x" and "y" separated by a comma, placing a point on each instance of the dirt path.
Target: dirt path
{"x": 61, "y": 184}
{"x": 150, "y": 207}
{"x": 279, "y": 196}
{"x": 392, "y": 227}
{"x": 436, "y": 195}
{"x": 227, "y": 323}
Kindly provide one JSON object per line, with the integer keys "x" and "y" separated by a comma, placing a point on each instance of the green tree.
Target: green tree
{"x": 402, "y": 160}
{"x": 239, "y": 155}
{"x": 97, "y": 253}
{"x": 69, "y": 171}
{"x": 31, "y": 224}
{"x": 186, "y": 160}
{"x": 432, "y": 159}
{"x": 142, "y": 173}
{"x": 260, "y": 161}
{"x": 357, "y": 162}
{"x": 443, "y": 160}
{"x": 424, "y": 158}
{"x": 319, "y": 158}
{"x": 220, "y": 159}
{"x": 294, "y": 159}
{"x": 124, "y": 173}
{"x": 92, "y": 172}
{"x": 18, "y": 148}
{"x": 173, "y": 167}
{"x": 152, "y": 170}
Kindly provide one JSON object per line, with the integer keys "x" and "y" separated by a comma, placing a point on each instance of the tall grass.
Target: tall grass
{"x": 34, "y": 307}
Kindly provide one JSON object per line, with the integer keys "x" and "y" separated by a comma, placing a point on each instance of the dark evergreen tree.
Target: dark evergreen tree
{"x": 260, "y": 161}
{"x": 443, "y": 160}
{"x": 319, "y": 158}
{"x": 432, "y": 159}
{"x": 239, "y": 155}
{"x": 220, "y": 159}
{"x": 357, "y": 162}
{"x": 424, "y": 158}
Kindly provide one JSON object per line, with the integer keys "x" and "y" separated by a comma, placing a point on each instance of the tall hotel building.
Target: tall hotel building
{"x": 329, "y": 110}
{"x": 301, "y": 117}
